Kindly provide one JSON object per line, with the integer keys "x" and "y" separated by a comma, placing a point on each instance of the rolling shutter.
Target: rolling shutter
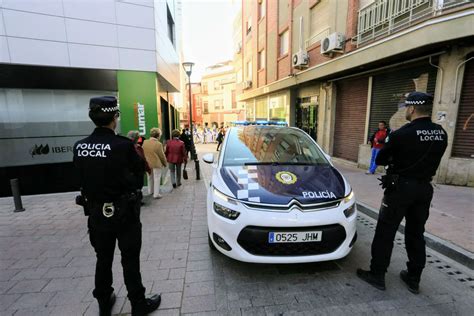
{"x": 389, "y": 88}
{"x": 351, "y": 107}
{"x": 463, "y": 143}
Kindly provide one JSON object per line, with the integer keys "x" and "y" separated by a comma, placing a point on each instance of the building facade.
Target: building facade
{"x": 218, "y": 96}
{"x": 55, "y": 55}
{"x": 337, "y": 68}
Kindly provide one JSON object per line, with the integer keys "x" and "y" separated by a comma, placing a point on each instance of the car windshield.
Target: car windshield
{"x": 259, "y": 145}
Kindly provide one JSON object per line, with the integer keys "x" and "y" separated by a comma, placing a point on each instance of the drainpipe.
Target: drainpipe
{"x": 457, "y": 79}
{"x": 441, "y": 80}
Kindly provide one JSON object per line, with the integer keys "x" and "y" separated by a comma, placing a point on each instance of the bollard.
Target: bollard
{"x": 15, "y": 185}
{"x": 198, "y": 170}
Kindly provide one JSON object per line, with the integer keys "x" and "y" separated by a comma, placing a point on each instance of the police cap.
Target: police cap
{"x": 106, "y": 104}
{"x": 418, "y": 98}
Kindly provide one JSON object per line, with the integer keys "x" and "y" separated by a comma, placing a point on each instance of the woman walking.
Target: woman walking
{"x": 140, "y": 175}
{"x": 175, "y": 155}
{"x": 155, "y": 157}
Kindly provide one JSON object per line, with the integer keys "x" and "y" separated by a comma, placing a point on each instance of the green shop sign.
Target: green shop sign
{"x": 138, "y": 101}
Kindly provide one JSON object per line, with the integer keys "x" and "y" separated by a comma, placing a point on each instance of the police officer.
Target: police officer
{"x": 412, "y": 154}
{"x": 106, "y": 164}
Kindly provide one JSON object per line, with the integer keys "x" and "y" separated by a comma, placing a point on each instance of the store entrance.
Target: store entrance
{"x": 307, "y": 115}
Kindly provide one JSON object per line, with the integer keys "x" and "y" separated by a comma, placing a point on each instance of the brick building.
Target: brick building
{"x": 336, "y": 68}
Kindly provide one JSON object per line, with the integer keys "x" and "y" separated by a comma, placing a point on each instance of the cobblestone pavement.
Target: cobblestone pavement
{"x": 47, "y": 268}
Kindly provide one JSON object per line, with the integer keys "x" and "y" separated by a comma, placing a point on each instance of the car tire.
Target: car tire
{"x": 211, "y": 244}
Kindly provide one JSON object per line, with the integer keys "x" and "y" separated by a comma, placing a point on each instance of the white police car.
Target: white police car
{"x": 275, "y": 197}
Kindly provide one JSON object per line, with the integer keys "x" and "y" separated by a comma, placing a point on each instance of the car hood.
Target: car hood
{"x": 277, "y": 184}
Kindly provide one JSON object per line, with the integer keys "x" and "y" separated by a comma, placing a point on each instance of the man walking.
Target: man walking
{"x": 108, "y": 165}
{"x": 377, "y": 140}
{"x": 412, "y": 154}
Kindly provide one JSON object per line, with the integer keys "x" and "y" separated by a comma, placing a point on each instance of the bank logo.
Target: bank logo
{"x": 286, "y": 177}
{"x": 39, "y": 150}
{"x": 139, "y": 110}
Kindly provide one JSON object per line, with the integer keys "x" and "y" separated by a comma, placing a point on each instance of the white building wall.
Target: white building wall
{"x": 105, "y": 34}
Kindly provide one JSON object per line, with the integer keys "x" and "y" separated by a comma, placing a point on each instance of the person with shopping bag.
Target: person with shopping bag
{"x": 175, "y": 155}
{"x": 155, "y": 157}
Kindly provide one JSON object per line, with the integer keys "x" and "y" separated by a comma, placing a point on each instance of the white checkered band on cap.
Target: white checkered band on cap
{"x": 415, "y": 102}
{"x": 114, "y": 109}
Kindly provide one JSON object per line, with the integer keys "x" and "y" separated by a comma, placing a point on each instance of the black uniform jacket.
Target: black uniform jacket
{"x": 415, "y": 150}
{"x": 107, "y": 165}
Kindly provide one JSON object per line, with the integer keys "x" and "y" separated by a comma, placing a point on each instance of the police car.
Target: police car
{"x": 275, "y": 197}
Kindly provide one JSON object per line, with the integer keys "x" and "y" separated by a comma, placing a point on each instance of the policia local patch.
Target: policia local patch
{"x": 92, "y": 150}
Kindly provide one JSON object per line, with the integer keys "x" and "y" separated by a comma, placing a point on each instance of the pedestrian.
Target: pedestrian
{"x": 220, "y": 137}
{"x": 137, "y": 140}
{"x": 155, "y": 157}
{"x": 175, "y": 155}
{"x": 377, "y": 140}
{"x": 107, "y": 165}
{"x": 412, "y": 154}
{"x": 186, "y": 139}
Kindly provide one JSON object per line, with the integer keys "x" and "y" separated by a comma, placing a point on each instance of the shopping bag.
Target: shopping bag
{"x": 185, "y": 172}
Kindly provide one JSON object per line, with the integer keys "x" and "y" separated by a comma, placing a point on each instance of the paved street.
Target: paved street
{"x": 451, "y": 212}
{"x": 47, "y": 268}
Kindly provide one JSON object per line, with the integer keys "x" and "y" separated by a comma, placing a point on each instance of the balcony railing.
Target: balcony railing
{"x": 384, "y": 17}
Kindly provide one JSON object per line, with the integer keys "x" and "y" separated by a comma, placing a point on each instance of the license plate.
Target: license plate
{"x": 291, "y": 237}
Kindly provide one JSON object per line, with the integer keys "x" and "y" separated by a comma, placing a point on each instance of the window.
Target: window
{"x": 234, "y": 101}
{"x": 204, "y": 88}
{"x": 205, "y": 107}
{"x": 217, "y": 85}
{"x": 261, "y": 59}
{"x": 287, "y": 146}
{"x": 249, "y": 25}
{"x": 170, "y": 22}
{"x": 239, "y": 76}
{"x": 261, "y": 9}
{"x": 218, "y": 104}
{"x": 249, "y": 70}
{"x": 284, "y": 43}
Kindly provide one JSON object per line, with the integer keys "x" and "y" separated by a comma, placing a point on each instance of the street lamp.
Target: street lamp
{"x": 188, "y": 68}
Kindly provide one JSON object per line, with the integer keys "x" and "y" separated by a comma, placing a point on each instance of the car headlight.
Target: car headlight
{"x": 226, "y": 212}
{"x": 348, "y": 197}
{"x": 223, "y": 197}
{"x": 350, "y": 210}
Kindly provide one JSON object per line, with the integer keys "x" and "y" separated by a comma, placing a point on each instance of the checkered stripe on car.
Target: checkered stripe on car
{"x": 247, "y": 178}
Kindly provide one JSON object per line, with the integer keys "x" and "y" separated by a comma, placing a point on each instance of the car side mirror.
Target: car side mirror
{"x": 208, "y": 158}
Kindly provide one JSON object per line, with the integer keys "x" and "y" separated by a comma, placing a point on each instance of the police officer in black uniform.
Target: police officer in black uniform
{"x": 106, "y": 164}
{"x": 412, "y": 154}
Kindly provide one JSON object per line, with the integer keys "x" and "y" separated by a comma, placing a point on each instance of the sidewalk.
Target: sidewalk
{"x": 451, "y": 214}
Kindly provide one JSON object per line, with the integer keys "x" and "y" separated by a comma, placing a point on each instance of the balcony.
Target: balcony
{"x": 384, "y": 17}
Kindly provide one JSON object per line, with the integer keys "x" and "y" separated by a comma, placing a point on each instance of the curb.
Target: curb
{"x": 450, "y": 250}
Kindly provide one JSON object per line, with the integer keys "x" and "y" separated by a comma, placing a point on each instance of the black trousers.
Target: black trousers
{"x": 129, "y": 242}
{"x": 411, "y": 200}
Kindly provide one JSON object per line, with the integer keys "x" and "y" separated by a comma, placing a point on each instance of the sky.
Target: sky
{"x": 207, "y": 33}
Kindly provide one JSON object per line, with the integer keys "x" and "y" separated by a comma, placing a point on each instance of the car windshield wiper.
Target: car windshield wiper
{"x": 288, "y": 163}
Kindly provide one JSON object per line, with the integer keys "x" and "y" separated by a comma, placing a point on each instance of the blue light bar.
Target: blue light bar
{"x": 259, "y": 122}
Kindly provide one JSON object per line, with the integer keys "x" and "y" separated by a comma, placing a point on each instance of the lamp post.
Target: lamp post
{"x": 188, "y": 68}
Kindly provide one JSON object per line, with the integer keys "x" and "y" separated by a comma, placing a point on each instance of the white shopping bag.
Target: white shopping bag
{"x": 166, "y": 186}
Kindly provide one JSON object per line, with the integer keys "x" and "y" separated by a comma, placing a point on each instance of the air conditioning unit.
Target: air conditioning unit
{"x": 333, "y": 43}
{"x": 247, "y": 84}
{"x": 300, "y": 59}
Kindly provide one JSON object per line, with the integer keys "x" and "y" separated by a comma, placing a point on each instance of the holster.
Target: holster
{"x": 389, "y": 181}
{"x": 82, "y": 201}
